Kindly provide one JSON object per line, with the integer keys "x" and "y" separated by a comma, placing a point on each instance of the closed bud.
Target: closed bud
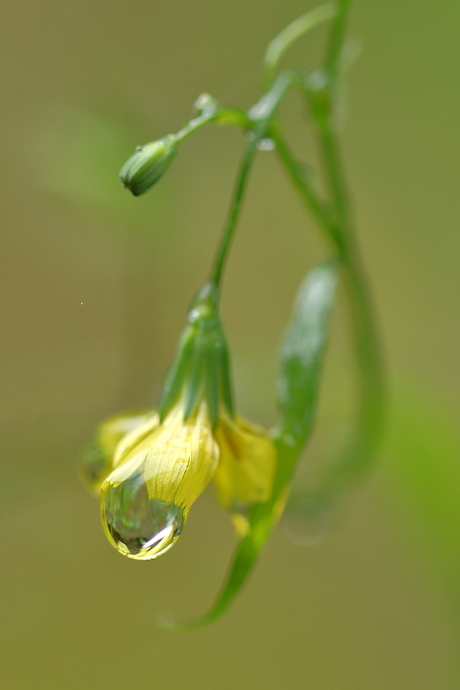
{"x": 148, "y": 164}
{"x": 160, "y": 470}
{"x": 96, "y": 460}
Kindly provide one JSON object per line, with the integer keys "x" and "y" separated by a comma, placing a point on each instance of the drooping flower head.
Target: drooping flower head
{"x": 160, "y": 470}
{"x": 153, "y": 473}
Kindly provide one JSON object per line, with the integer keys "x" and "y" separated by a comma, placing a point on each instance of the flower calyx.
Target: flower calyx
{"x": 201, "y": 368}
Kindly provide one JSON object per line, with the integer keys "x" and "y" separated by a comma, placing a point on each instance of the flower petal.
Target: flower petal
{"x": 162, "y": 469}
{"x": 98, "y": 458}
{"x": 246, "y": 465}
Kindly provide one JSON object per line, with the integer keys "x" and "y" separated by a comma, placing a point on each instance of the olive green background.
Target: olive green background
{"x": 94, "y": 289}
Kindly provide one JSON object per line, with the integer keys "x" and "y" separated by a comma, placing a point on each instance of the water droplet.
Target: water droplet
{"x": 266, "y": 144}
{"x": 203, "y": 101}
{"x": 258, "y": 110}
{"x": 289, "y": 440}
{"x": 139, "y": 527}
{"x": 193, "y": 315}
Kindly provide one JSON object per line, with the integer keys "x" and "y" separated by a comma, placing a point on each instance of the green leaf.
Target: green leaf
{"x": 301, "y": 362}
{"x": 301, "y": 355}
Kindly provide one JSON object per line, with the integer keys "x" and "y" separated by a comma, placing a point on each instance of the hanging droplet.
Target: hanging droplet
{"x": 138, "y": 526}
{"x": 266, "y": 144}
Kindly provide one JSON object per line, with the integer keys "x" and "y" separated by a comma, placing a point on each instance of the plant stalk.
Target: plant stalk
{"x": 262, "y": 113}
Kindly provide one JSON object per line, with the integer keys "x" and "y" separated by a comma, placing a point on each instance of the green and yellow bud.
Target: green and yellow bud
{"x": 97, "y": 458}
{"x": 148, "y": 164}
{"x": 246, "y": 469}
{"x": 151, "y": 467}
{"x": 160, "y": 470}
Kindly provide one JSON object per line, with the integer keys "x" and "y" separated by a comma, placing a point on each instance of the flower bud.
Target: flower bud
{"x": 97, "y": 459}
{"x": 148, "y": 164}
{"x": 159, "y": 472}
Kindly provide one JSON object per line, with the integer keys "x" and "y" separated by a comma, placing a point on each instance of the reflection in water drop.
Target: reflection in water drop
{"x": 138, "y": 526}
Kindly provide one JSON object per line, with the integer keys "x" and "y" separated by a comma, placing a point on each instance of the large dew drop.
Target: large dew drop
{"x": 138, "y": 526}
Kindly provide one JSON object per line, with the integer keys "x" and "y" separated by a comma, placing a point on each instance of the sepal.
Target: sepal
{"x": 201, "y": 368}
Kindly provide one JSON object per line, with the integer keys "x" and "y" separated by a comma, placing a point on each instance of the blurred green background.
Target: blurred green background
{"x": 95, "y": 285}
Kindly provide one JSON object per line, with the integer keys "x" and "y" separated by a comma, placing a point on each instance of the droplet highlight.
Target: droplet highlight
{"x": 138, "y": 526}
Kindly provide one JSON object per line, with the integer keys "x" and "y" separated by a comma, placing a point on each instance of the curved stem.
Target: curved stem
{"x": 300, "y": 26}
{"x": 366, "y": 343}
{"x": 261, "y": 114}
{"x": 235, "y": 208}
{"x": 218, "y": 115}
{"x": 367, "y": 346}
{"x": 337, "y": 225}
{"x": 334, "y": 53}
{"x": 317, "y": 208}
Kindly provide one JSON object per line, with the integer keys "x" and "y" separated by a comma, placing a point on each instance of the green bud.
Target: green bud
{"x": 148, "y": 164}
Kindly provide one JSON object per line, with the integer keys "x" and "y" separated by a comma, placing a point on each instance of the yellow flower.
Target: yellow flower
{"x": 96, "y": 460}
{"x": 160, "y": 470}
{"x": 246, "y": 467}
{"x": 149, "y": 469}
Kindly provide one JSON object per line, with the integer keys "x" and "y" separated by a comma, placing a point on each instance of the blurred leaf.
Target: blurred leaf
{"x": 80, "y": 158}
{"x": 422, "y": 459}
{"x": 301, "y": 355}
{"x": 301, "y": 362}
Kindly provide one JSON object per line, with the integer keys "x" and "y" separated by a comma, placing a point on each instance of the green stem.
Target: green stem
{"x": 337, "y": 38}
{"x": 366, "y": 344}
{"x": 366, "y": 341}
{"x": 367, "y": 347}
{"x": 336, "y": 223}
{"x": 317, "y": 208}
{"x": 300, "y": 26}
{"x": 262, "y": 113}
{"x": 235, "y": 209}
{"x": 218, "y": 115}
